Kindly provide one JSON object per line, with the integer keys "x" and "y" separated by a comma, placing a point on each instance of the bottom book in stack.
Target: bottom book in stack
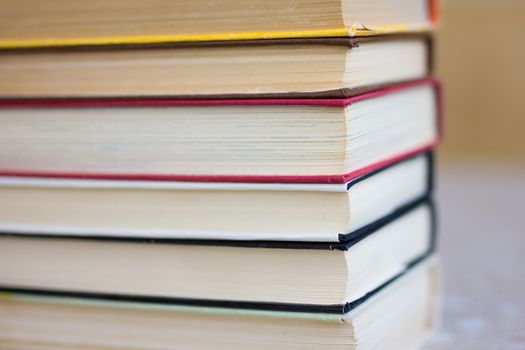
{"x": 397, "y": 315}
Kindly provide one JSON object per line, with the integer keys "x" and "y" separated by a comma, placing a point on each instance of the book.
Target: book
{"x": 216, "y": 211}
{"x": 283, "y": 68}
{"x": 400, "y": 315}
{"x": 44, "y": 23}
{"x": 317, "y": 276}
{"x": 218, "y": 174}
{"x": 278, "y": 140}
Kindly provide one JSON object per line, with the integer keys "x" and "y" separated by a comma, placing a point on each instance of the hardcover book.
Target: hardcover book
{"x": 312, "y": 276}
{"x": 32, "y": 23}
{"x": 218, "y": 174}
{"x": 294, "y": 68}
{"x": 400, "y": 315}
{"x": 266, "y": 140}
{"x": 216, "y": 211}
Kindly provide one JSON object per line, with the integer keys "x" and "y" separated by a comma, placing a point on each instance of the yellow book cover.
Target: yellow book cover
{"x": 48, "y": 23}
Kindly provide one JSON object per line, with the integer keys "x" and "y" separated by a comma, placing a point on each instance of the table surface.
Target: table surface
{"x": 482, "y": 245}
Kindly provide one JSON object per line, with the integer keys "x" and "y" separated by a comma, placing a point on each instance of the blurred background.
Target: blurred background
{"x": 481, "y": 57}
{"x": 481, "y": 174}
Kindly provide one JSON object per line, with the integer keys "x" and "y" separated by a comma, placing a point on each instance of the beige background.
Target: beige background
{"x": 481, "y": 57}
{"x": 481, "y": 175}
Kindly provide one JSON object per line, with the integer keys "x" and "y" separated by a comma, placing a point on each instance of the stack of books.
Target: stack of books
{"x": 217, "y": 174}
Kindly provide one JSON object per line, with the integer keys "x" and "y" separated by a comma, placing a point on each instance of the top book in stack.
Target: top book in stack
{"x": 32, "y": 23}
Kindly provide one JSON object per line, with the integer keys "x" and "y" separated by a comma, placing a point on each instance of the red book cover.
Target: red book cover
{"x": 321, "y": 179}
{"x": 434, "y": 11}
